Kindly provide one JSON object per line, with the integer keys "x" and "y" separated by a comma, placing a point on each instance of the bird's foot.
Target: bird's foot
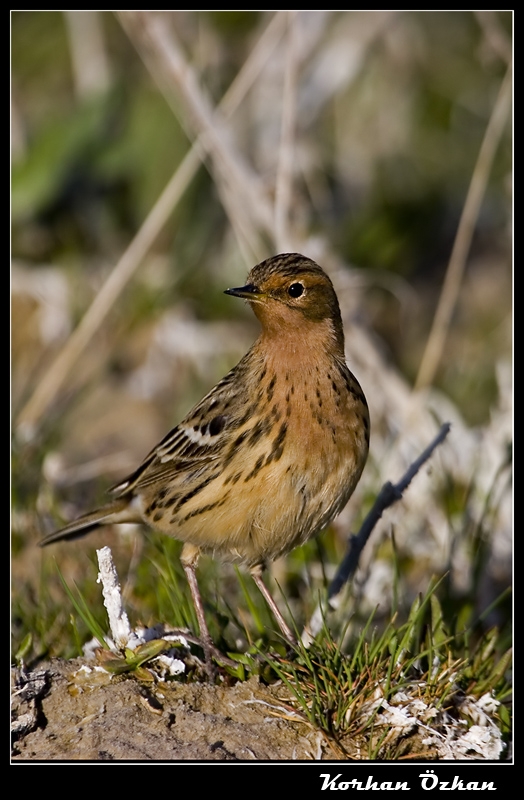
{"x": 213, "y": 654}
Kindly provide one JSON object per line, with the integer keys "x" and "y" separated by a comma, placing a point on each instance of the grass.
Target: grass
{"x": 384, "y": 690}
{"x": 336, "y": 685}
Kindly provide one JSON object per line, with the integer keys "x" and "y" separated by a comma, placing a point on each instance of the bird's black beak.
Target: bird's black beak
{"x": 248, "y": 292}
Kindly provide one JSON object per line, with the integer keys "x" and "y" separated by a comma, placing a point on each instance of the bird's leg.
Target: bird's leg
{"x": 256, "y": 573}
{"x": 189, "y": 559}
{"x": 207, "y": 642}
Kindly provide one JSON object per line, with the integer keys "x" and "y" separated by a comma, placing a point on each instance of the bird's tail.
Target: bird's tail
{"x": 120, "y": 510}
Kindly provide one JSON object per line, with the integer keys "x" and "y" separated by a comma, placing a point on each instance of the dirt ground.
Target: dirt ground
{"x": 63, "y": 714}
{"x": 70, "y": 711}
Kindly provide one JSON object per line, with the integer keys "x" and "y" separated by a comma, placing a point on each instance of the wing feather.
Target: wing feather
{"x": 200, "y": 439}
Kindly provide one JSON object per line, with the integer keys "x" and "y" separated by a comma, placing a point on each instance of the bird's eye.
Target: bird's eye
{"x": 295, "y": 290}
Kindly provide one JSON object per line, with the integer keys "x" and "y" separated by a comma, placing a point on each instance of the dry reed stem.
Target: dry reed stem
{"x": 158, "y": 46}
{"x": 453, "y": 279}
{"x": 90, "y": 63}
{"x": 495, "y": 34}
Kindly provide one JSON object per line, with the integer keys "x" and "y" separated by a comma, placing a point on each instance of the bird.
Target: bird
{"x": 270, "y": 455}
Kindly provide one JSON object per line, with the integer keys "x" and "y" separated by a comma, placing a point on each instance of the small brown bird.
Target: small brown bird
{"x": 269, "y": 457}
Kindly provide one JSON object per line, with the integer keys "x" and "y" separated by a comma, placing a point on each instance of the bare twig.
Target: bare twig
{"x": 457, "y": 262}
{"x": 388, "y": 495}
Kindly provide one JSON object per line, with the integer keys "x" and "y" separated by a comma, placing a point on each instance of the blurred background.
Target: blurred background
{"x": 156, "y": 157}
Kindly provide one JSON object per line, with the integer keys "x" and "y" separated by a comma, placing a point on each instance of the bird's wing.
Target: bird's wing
{"x": 205, "y": 435}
